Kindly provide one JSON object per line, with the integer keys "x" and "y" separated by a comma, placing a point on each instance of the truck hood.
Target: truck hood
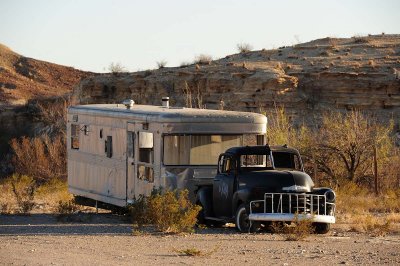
{"x": 276, "y": 181}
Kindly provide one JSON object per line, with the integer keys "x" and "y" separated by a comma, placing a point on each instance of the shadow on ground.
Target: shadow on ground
{"x": 74, "y": 224}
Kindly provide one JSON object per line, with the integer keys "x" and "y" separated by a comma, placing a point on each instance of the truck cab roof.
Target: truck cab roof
{"x": 259, "y": 150}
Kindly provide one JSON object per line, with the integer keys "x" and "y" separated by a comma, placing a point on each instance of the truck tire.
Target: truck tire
{"x": 242, "y": 221}
{"x": 321, "y": 228}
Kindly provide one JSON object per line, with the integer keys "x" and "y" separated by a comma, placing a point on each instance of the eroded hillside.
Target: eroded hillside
{"x": 23, "y": 78}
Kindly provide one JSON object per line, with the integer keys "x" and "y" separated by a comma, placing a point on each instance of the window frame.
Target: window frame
{"x": 257, "y": 137}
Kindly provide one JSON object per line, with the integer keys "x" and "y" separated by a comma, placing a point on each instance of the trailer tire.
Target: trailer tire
{"x": 242, "y": 221}
{"x": 321, "y": 228}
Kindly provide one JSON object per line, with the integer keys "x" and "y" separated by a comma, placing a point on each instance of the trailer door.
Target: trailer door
{"x": 140, "y": 161}
{"x": 131, "y": 164}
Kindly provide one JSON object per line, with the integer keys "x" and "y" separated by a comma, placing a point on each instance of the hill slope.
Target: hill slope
{"x": 308, "y": 79}
{"x": 23, "y": 78}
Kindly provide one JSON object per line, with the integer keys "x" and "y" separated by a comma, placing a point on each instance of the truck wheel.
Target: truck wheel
{"x": 242, "y": 221}
{"x": 321, "y": 228}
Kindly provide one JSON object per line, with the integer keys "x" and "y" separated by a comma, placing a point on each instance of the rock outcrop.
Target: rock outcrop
{"x": 307, "y": 79}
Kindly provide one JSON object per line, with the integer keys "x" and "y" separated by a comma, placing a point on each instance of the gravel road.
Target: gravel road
{"x": 105, "y": 239}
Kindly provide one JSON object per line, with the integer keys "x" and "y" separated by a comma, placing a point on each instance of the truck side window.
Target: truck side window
{"x": 75, "y": 136}
{"x": 225, "y": 164}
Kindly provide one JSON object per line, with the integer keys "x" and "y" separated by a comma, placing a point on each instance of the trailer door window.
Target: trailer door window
{"x": 146, "y": 147}
{"x": 75, "y": 136}
{"x": 146, "y": 157}
{"x": 131, "y": 144}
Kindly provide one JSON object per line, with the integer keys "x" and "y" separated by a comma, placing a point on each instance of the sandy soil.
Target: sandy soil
{"x": 105, "y": 239}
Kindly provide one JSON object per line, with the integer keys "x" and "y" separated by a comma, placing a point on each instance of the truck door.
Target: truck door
{"x": 223, "y": 186}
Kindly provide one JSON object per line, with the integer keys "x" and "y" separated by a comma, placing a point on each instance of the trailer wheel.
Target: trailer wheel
{"x": 242, "y": 221}
{"x": 321, "y": 228}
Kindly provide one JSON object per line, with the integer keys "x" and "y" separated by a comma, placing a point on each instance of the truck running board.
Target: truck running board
{"x": 214, "y": 219}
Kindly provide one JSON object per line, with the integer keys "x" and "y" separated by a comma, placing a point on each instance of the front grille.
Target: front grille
{"x": 293, "y": 203}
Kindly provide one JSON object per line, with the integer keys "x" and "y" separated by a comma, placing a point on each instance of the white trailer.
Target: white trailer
{"x": 117, "y": 152}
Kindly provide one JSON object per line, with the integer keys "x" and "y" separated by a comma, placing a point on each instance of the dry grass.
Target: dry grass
{"x": 372, "y": 225}
{"x": 20, "y": 194}
{"x": 194, "y": 252}
{"x": 244, "y": 47}
{"x": 161, "y": 64}
{"x": 203, "y": 59}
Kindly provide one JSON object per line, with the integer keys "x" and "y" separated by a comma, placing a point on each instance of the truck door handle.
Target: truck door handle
{"x": 217, "y": 180}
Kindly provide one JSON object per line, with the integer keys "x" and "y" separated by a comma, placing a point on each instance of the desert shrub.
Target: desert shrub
{"x": 297, "y": 230}
{"x": 116, "y": 68}
{"x": 161, "y": 64}
{"x": 67, "y": 207}
{"x": 244, "y": 47}
{"x": 51, "y": 113}
{"x": 184, "y": 64}
{"x": 42, "y": 158}
{"x": 23, "y": 188}
{"x": 203, "y": 59}
{"x": 360, "y": 39}
{"x": 372, "y": 225}
{"x": 171, "y": 211}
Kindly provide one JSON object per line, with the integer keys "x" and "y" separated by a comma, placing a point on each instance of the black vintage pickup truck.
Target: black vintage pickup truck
{"x": 256, "y": 185}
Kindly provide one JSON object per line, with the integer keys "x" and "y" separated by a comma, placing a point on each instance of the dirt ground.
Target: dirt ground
{"x": 105, "y": 239}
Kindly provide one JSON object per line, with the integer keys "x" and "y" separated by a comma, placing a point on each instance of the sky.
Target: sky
{"x": 92, "y": 34}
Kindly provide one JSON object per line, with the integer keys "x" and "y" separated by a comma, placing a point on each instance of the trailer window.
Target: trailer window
{"x": 202, "y": 149}
{"x": 145, "y": 173}
{"x": 108, "y": 146}
{"x": 146, "y": 147}
{"x": 75, "y": 136}
{"x": 146, "y": 157}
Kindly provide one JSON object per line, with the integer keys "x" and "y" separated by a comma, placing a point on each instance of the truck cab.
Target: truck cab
{"x": 261, "y": 184}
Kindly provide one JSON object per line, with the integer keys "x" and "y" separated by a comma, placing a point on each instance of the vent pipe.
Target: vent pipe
{"x": 128, "y": 103}
{"x": 165, "y": 102}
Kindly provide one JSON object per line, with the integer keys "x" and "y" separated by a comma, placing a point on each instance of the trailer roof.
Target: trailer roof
{"x": 162, "y": 114}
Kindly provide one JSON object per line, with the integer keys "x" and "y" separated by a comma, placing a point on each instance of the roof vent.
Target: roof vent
{"x": 165, "y": 102}
{"x": 128, "y": 103}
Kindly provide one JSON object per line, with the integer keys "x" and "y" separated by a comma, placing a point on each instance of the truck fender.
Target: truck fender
{"x": 239, "y": 197}
{"x": 204, "y": 198}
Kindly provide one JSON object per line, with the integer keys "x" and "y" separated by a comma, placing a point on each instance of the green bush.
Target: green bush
{"x": 171, "y": 211}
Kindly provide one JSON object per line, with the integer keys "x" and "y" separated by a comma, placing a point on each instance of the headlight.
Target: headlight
{"x": 330, "y": 195}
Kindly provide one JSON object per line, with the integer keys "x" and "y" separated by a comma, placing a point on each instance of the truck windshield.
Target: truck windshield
{"x": 287, "y": 160}
{"x": 203, "y": 149}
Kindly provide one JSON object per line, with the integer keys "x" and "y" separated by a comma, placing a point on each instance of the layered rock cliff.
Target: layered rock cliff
{"x": 307, "y": 79}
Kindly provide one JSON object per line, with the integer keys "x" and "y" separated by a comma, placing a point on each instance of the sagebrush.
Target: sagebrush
{"x": 171, "y": 211}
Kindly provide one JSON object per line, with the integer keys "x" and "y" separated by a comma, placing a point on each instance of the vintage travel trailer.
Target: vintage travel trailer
{"x": 117, "y": 152}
